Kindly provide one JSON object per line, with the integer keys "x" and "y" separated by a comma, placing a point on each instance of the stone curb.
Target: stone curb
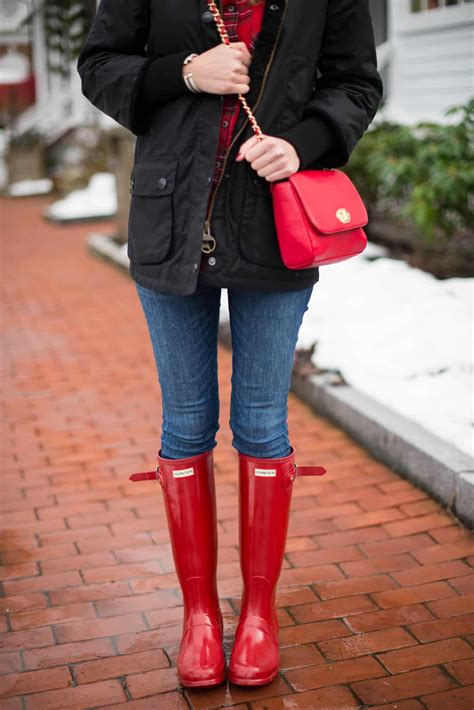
{"x": 76, "y": 220}
{"x": 106, "y": 248}
{"x": 406, "y": 447}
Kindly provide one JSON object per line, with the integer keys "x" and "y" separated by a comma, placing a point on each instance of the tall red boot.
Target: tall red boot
{"x": 265, "y": 497}
{"x": 190, "y": 503}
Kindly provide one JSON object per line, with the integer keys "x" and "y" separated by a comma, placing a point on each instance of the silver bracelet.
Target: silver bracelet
{"x": 190, "y": 83}
{"x": 188, "y": 78}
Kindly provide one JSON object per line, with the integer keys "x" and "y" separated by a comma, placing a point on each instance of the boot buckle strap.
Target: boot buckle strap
{"x": 147, "y": 476}
{"x": 297, "y": 471}
{"x": 305, "y": 471}
{"x": 310, "y": 470}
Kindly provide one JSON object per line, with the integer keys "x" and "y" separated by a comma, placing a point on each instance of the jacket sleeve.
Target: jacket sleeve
{"x": 348, "y": 91}
{"x": 112, "y": 63}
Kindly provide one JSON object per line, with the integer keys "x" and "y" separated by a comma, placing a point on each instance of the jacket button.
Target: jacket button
{"x": 212, "y": 261}
{"x": 162, "y": 182}
{"x": 274, "y": 7}
{"x": 207, "y": 16}
{"x": 132, "y": 185}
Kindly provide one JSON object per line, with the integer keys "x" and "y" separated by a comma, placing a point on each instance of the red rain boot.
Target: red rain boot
{"x": 265, "y": 497}
{"x": 190, "y": 503}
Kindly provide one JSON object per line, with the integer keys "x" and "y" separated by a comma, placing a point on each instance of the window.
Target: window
{"x": 422, "y": 5}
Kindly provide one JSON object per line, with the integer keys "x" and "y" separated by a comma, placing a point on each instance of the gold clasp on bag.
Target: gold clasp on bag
{"x": 343, "y": 215}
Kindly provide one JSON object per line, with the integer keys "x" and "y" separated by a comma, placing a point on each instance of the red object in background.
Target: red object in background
{"x": 15, "y": 98}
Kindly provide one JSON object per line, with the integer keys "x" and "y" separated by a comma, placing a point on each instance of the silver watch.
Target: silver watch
{"x": 188, "y": 77}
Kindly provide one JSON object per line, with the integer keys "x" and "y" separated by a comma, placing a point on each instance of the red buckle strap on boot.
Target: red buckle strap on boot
{"x": 265, "y": 490}
{"x": 145, "y": 476}
{"x": 310, "y": 470}
{"x": 190, "y": 504}
{"x": 300, "y": 471}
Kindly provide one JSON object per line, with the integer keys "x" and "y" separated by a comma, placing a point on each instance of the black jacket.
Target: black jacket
{"x": 314, "y": 81}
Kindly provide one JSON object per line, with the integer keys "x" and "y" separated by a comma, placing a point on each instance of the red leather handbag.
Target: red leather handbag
{"x": 319, "y": 217}
{"x": 318, "y": 214}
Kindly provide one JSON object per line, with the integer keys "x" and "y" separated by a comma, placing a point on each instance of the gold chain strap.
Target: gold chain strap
{"x": 225, "y": 39}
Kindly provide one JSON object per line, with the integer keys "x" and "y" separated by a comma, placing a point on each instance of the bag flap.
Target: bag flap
{"x": 330, "y": 200}
{"x": 154, "y": 177}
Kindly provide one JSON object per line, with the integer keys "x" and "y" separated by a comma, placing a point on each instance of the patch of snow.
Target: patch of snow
{"x": 400, "y": 335}
{"x": 123, "y": 250}
{"x": 14, "y": 14}
{"x": 374, "y": 251}
{"x": 97, "y": 200}
{"x": 14, "y": 67}
{"x": 108, "y": 247}
{"x": 107, "y": 123}
{"x": 26, "y": 188}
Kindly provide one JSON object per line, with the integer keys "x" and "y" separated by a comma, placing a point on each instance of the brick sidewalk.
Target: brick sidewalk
{"x": 377, "y": 588}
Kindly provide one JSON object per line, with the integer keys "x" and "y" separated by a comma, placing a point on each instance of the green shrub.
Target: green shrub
{"x": 424, "y": 173}
{"x": 66, "y": 25}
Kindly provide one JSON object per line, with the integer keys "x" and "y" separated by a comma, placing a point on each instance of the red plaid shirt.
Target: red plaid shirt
{"x": 243, "y": 22}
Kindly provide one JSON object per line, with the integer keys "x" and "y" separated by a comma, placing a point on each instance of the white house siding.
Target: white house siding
{"x": 60, "y": 104}
{"x": 431, "y": 66}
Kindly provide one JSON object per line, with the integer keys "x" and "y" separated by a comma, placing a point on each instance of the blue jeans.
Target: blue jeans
{"x": 183, "y": 332}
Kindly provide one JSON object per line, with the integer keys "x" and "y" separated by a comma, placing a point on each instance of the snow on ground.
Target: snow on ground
{"x": 98, "y": 199}
{"x": 399, "y": 335}
{"x": 26, "y": 188}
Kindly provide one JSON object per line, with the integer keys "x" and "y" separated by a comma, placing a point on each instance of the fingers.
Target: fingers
{"x": 270, "y": 158}
{"x": 239, "y": 68}
{"x": 240, "y": 80}
{"x": 245, "y": 147}
{"x": 232, "y": 87}
{"x": 278, "y": 175}
{"x": 240, "y": 73}
{"x": 220, "y": 71}
{"x": 242, "y": 50}
{"x": 267, "y": 163}
{"x": 265, "y": 153}
{"x": 242, "y": 84}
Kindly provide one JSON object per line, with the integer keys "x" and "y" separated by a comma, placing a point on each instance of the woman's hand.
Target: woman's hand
{"x": 273, "y": 158}
{"x": 222, "y": 69}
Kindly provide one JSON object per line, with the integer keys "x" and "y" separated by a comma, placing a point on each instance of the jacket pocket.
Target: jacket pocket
{"x": 257, "y": 237}
{"x": 151, "y": 216}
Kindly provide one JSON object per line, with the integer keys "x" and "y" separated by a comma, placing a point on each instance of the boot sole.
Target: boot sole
{"x": 249, "y": 681}
{"x": 217, "y": 680}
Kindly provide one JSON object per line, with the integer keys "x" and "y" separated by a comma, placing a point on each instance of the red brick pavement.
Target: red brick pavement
{"x": 376, "y": 595}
